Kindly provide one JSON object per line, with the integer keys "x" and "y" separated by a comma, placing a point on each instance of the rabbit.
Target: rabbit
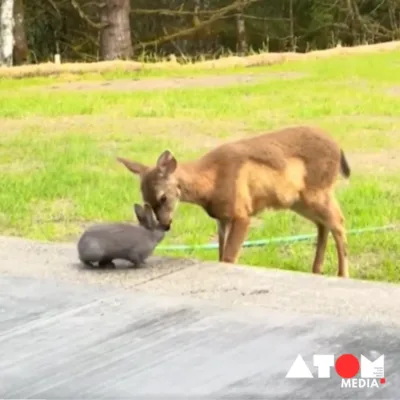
{"x": 103, "y": 243}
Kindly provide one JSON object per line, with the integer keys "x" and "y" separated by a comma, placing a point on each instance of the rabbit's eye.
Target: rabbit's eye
{"x": 163, "y": 199}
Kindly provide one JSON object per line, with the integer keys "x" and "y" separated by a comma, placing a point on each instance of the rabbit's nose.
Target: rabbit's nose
{"x": 167, "y": 227}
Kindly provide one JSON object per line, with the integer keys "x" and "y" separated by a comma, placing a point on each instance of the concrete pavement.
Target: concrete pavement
{"x": 228, "y": 284}
{"x": 181, "y": 328}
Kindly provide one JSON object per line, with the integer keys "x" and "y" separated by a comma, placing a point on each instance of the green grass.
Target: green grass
{"x": 57, "y": 153}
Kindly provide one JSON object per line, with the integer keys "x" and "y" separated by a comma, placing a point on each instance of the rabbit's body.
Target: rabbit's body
{"x": 103, "y": 243}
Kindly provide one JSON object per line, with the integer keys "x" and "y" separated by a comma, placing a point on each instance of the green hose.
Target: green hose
{"x": 263, "y": 242}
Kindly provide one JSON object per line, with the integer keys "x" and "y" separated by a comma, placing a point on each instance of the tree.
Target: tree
{"x": 115, "y": 36}
{"x": 6, "y": 32}
{"x": 86, "y": 30}
{"x": 241, "y": 31}
{"x": 20, "y": 51}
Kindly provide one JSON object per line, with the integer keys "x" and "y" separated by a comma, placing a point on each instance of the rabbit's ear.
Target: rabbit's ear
{"x": 149, "y": 215}
{"x": 140, "y": 213}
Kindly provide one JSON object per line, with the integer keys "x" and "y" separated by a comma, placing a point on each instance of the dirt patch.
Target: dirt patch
{"x": 377, "y": 163}
{"x": 394, "y": 91}
{"x": 20, "y": 167}
{"x": 379, "y": 119}
{"x": 355, "y": 83}
{"x": 172, "y": 83}
{"x": 56, "y": 210}
{"x": 51, "y": 69}
{"x": 192, "y": 133}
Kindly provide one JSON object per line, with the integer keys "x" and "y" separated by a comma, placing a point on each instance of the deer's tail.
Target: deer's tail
{"x": 344, "y": 165}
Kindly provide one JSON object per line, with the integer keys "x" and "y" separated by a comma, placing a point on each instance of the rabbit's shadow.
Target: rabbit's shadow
{"x": 118, "y": 266}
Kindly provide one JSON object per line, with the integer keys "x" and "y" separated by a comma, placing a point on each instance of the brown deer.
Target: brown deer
{"x": 293, "y": 168}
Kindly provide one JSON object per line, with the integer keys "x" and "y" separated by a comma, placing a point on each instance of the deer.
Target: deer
{"x": 293, "y": 168}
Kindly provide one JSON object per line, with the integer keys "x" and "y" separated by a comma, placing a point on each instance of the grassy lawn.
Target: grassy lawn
{"x": 58, "y": 145}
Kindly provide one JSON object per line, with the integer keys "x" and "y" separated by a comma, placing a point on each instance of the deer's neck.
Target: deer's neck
{"x": 195, "y": 183}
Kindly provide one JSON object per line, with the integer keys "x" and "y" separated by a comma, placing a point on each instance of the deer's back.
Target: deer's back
{"x": 272, "y": 169}
{"x": 280, "y": 149}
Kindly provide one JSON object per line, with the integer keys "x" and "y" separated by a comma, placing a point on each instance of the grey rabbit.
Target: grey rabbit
{"x": 105, "y": 242}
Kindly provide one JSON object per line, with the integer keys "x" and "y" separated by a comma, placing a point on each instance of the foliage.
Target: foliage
{"x": 204, "y": 28}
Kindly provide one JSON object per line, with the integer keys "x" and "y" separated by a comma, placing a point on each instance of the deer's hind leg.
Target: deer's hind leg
{"x": 340, "y": 237}
{"x": 323, "y": 208}
{"x": 322, "y": 237}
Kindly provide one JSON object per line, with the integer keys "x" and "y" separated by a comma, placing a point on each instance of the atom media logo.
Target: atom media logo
{"x": 347, "y": 366}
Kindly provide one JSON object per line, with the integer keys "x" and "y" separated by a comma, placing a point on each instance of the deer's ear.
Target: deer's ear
{"x": 167, "y": 163}
{"x": 133, "y": 166}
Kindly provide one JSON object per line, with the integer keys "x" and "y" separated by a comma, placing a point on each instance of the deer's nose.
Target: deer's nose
{"x": 167, "y": 227}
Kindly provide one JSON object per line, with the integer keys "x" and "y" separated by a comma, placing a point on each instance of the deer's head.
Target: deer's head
{"x": 158, "y": 185}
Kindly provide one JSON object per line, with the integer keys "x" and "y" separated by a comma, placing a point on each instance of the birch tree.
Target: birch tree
{"x": 6, "y": 32}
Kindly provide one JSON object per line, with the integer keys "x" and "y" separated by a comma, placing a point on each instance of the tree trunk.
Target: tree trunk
{"x": 352, "y": 23}
{"x": 198, "y": 35}
{"x": 291, "y": 20}
{"x": 21, "y": 51}
{"x": 115, "y": 38}
{"x": 6, "y": 32}
{"x": 241, "y": 32}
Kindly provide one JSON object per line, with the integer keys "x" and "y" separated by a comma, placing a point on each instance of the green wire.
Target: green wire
{"x": 263, "y": 242}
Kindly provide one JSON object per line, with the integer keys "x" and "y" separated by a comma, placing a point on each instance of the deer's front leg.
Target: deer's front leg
{"x": 236, "y": 236}
{"x": 223, "y": 231}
